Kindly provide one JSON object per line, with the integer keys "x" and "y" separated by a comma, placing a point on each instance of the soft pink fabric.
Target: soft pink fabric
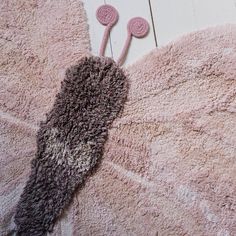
{"x": 39, "y": 40}
{"x": 169, "y": 164}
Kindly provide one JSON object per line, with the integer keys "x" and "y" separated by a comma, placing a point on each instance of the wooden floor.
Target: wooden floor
{"x": 168, "y": 20}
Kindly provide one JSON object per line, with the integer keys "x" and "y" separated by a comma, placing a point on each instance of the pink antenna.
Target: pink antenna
{"x": 107, "y": 15}
{"x": 137, "y": 27}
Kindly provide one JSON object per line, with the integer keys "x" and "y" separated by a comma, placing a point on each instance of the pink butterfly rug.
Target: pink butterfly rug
{"x": 169, "y": 163}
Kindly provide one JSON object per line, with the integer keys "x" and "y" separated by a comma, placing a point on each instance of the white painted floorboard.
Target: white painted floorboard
{"x": 174, "y": 18}
{"x": 171, "y": 19}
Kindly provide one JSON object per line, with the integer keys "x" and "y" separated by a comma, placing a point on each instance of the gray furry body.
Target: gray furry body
{"x": 70, "y": 142}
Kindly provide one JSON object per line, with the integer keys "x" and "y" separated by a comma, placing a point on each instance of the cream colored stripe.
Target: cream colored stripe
{"x": 14, "y": 120}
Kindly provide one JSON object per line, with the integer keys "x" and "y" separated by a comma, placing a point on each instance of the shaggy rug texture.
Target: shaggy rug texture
{"x": 170, "y": 162}
{"x": 38, "y": 40}
{"x": 70, "y": 142}
{"x": 168, "y": 166}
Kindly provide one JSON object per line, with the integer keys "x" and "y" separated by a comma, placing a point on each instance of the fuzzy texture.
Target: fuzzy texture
{"x": 169, "y": 161}
{"x": 169, "y": 164}
{"x": 39, "y": 40}
{"x": 70, "y": 142}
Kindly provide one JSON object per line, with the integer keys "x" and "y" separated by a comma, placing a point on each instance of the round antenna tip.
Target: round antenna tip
{"x": 138, "y": 27}
{"x": 107, "y": 15}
